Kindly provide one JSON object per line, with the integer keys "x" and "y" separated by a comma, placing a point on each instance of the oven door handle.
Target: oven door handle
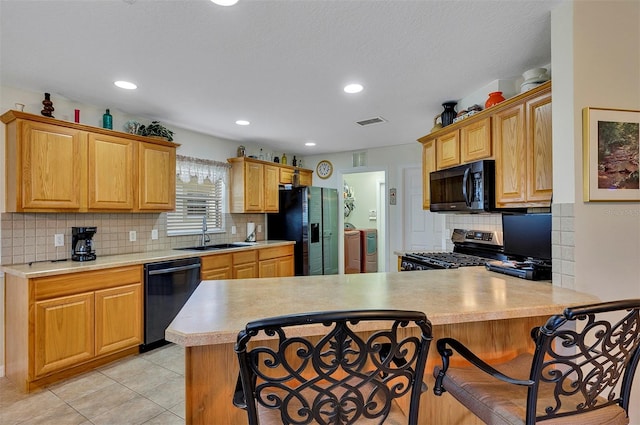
{"x": 174, "y": 269}
{"x": 465, "y": 186}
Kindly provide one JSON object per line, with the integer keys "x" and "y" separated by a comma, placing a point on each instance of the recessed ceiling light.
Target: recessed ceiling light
{"x": 243, "y": 122}
{"x": 310, "y": 144}
{"x": 125, "y": 85}
{"x": 353, "y": 88}
{"x": 225, "y": 2}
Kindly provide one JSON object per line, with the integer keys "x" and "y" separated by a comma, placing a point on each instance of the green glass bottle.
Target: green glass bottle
{"x": 107, "y": 120}
{"x": 284, "y": 159}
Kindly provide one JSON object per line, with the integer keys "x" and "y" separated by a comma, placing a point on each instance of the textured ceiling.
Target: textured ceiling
{"x": 280, "y": 64}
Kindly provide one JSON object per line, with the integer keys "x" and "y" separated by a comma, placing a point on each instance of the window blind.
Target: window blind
{"x": 194, "y": 201}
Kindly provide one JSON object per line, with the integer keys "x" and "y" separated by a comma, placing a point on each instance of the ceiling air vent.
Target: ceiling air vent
{"x": 370, "y": 121}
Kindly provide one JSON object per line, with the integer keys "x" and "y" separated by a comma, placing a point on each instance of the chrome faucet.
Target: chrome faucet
{"x": 205, "y": 237}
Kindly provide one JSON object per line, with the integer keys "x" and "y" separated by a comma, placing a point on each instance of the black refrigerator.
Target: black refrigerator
{"x": 308, "y": 216}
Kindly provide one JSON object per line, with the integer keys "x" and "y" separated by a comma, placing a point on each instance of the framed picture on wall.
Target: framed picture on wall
{"x": 610, "y": 150}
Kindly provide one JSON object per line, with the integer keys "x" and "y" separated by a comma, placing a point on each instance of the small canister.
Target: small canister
{"x": 241, "y": 151}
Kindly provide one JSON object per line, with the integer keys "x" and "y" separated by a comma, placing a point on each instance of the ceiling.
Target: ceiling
{"x": 281, "y": 64}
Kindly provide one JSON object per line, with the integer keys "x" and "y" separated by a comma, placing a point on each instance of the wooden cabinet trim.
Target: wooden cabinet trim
{"x": 118, "y": 318}
{"x": 275, "y": 252}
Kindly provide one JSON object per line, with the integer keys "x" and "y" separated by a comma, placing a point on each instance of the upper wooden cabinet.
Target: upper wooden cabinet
{"x": 255, "y": 184}
{"x": 516, "y": 133}
{"x": 523, "y": 148}
{"x": 428, "y": 165}
{"x": 59, "y": 166}
{"x": 156, "y": 177}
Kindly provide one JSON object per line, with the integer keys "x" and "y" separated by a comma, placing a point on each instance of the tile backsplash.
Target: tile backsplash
{"x": 29, "y": 237}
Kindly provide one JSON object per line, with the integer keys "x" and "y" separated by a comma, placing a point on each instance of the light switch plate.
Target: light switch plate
{"x": 132, "y": 236}
{"x": 154, "y": 234}
{"x": 259, "y": 228}
{"x": 234, "y": 230}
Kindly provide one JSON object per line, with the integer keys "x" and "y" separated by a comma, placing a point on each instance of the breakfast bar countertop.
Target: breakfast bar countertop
{"x": 217, "y": 310}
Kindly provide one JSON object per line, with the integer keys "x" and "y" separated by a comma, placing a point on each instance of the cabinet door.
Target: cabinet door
{"x": 539, "y": 150}
{"x": 306, "y": 178}
{"x": 271, "y": 194}
{"x": 245, "y": 264}
{"x": 218, "y": 266}
{"x": 156, "y": 177}
{"x": 118, "y": 318}
{"x": 286, "y": 175}
{"x": 475, "y": 141}
{"x": 110, "y": 173}
{"x": 448, "y": 150}
{"x": 268, "y": 268}
{"x": 285, "y": 266}
{"x": 253, "y": 187}
{"x": 53, "y": 166}
{"x": 63, "y": 332}
{"x": 510, "y": 154}
{"x": 428, "y": 165}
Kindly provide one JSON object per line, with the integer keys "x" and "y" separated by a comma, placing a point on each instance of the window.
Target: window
{"x": 200, "y": 192}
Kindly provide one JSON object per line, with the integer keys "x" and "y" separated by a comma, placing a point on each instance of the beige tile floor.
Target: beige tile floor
{"x": 144, "y": 389}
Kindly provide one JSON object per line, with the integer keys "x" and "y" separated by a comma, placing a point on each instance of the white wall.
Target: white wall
{"x": 596, "y": 61}
{"x": 392, "y": 160}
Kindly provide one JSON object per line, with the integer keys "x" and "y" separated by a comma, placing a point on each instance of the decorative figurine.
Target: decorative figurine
{"x": 48, "y": 106}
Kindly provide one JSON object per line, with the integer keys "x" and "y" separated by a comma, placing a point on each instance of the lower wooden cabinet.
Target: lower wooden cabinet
{"x": 276, "y": 261}
{"x": 245, "y": 264}
{"x": 217, "y": 266}
{"x": 260, "y": 262}
{"x": 64, "y": 332}
{"x": 65, "y": 324}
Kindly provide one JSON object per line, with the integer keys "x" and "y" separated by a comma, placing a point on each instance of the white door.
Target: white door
{"x": 423, "y": 229}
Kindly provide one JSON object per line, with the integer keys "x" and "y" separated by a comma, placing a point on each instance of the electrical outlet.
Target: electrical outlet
{"x": 259, "y": 228}
{"x": 154, "y": 234}
{"x": 58, "y": 239}
{"x": 132, "y": 236}
{"x": 234, "y": 230}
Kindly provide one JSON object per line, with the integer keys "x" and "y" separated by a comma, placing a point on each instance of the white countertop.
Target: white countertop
{"x": 217, "y": 310}
{"x": 49, "y": 268}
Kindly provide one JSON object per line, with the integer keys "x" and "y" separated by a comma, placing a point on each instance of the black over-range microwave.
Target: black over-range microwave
{"x": 468, "y": 188}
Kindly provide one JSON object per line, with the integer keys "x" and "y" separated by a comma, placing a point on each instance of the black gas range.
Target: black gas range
{"x": 470, "y": 248}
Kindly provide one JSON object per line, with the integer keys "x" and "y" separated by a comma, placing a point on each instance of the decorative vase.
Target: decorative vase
{"x": 493, "y": 99}
{"x": 107, "y": 120}
{"x": 449, "y": 113}
{"x": 48, "y": 106}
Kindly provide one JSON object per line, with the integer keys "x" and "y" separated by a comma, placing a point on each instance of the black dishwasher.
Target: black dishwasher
{"x": 167, "y": 287}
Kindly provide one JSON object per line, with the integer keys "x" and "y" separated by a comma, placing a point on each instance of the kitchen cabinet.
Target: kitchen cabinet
{"x": 66, "y": 324}
{"x": 286, "y": 175}
{"x": 110, "y": 168}
{"x": 255, "y": 184}
{"x": 428, "y": 165}
{"x": 157, "y": 177}
{"x": 245, "y": 264}
{"x": 276, "y": 261}
{"x": 448, "y": 150}
{"x": 516, "y": 133}
{"x": 475, "y": 141}
{"x": 523, "y": 148}
{"x": 59, "y": 166}
{"x": 216, "y": 266}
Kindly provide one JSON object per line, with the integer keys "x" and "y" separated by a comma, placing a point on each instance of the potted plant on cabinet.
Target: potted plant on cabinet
{"x": 155, "y": 129}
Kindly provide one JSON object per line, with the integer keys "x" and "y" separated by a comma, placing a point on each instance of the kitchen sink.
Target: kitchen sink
{"x": 217, "y": 246}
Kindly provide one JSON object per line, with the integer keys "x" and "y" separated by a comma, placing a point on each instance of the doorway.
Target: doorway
{"x": 365, "y": 203}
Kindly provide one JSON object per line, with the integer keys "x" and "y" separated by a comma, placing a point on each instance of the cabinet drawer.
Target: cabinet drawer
{"x": 275, "y": 252}
{"x": 74, "y": 283}
{"x": 245, "y": 257}
{"x": 215, "y": 261}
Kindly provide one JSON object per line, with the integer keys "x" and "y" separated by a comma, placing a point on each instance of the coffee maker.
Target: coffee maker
{"x": 81, "y": 243}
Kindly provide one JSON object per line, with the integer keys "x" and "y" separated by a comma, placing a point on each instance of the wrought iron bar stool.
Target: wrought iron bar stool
{"x": 352, "y": 367}
{"x": 580, "y": 373}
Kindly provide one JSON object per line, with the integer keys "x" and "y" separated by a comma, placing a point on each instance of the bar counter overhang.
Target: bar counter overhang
{"x": 491, "y": 313}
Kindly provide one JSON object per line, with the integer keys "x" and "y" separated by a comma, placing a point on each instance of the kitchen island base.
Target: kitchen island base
{"x": 212, "y": 370}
